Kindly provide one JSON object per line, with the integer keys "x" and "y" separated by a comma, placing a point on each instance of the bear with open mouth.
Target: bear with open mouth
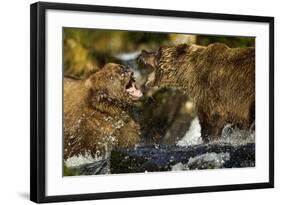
{"x": 219, "y": 80}
{"x": 96, "y": 116}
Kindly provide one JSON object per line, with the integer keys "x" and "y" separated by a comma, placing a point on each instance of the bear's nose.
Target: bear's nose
{"x": 126, "y": 69}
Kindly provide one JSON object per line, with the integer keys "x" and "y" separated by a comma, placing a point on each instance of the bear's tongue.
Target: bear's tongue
{"x": 133, "y": 91}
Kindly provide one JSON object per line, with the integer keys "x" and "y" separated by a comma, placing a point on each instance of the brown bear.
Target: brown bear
{"x": 96, "y": 116}
{"x": 220, "y": 81}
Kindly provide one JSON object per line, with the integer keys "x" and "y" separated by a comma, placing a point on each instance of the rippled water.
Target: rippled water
{"x": 205, "y": 161}
{"x": 235, "y": 149}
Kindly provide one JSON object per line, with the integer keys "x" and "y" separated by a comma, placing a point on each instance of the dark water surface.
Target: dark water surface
{"x": 173, "y": 158}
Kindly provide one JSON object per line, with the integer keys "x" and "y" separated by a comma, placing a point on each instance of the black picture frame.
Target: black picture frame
{"x": 38, "y": 101}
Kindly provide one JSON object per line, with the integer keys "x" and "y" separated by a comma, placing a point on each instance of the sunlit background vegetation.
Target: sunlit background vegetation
{"x": 87, "y": 50}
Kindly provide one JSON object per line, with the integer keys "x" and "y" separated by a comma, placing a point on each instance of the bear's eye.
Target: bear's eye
{"x": 113, "y": 77}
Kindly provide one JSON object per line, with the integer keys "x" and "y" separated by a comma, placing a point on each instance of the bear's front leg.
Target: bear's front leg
{"x": 209, "y": 132}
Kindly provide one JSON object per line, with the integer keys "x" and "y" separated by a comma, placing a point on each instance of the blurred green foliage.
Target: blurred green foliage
{"x": 113, "y": 41}
{"x": 70, "y": 171}
{"x": 231, "y": 41}
{"x": 147, "y": 38}
{"x": 86, "y": 50}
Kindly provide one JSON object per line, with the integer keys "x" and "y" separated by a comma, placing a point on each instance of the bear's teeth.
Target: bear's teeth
{"x": 134, "y": 91}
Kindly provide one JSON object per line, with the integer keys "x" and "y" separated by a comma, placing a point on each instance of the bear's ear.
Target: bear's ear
{"x": 88, "y": 83}
{"x": 91, "y": 81}
{"x": 181, "y": 49}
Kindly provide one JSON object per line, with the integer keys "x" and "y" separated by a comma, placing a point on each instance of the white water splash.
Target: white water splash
{"x": 193, "y": 135}
{"x": 80, "y": 159}
{"x": 179, "y": 167}
{"x": 209, "y": 160}
{"x": 235, "y": 136}
{"x": 205, "y": 161}
{"x": 230, "y": 135}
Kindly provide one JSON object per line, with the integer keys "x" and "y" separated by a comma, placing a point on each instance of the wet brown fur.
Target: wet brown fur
{"x": 96, "y": 116}
{"x": 219, "y": 79}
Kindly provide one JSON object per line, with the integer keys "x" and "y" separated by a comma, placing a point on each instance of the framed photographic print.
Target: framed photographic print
{"x": 129, "y": 102}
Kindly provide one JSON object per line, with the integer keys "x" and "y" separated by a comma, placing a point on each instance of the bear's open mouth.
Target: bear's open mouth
{"x": 132, "y": 89}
